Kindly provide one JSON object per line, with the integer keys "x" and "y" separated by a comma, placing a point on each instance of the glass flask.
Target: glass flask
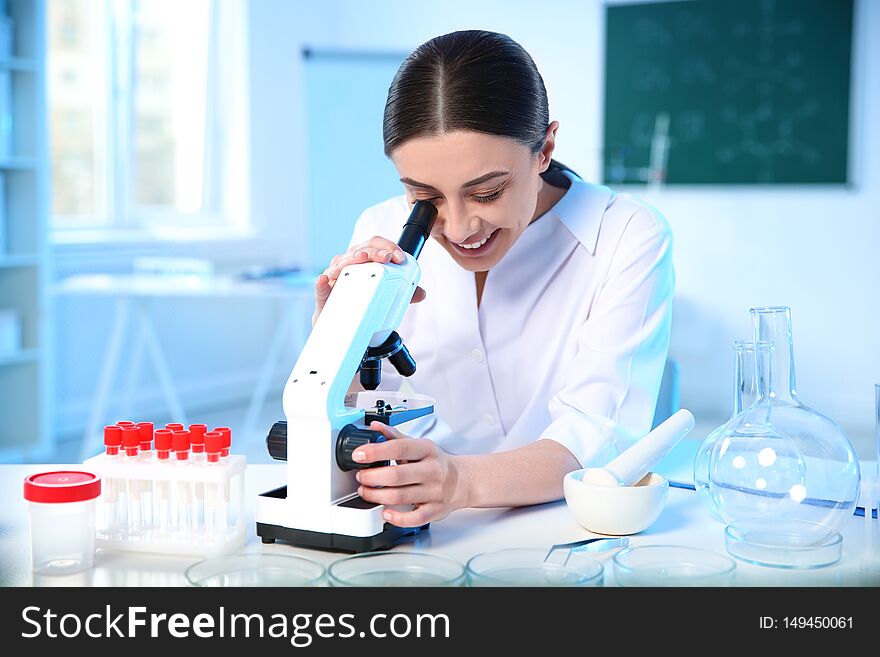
{"x": 783, "y": 477}
{"x": 745, "y": 393}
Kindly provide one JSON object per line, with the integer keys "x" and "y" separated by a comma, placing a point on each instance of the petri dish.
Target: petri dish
{"x": 672, "y": 565}
{"x": 778, "y": 547}
{"x": 527, "y": 567}
{"x": 396, "y": 569}
{"x": 256, "y": 570}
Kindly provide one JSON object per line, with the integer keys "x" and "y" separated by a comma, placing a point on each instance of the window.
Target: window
{"x": 137, "y": 112}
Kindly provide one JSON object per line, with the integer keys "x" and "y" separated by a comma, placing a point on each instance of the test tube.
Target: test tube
{"x": 180, "y": 442}
{"x": 131, "y": 435}
{"x": 112, "y": 442}
{"x": 146, "y": 455}
{"x": 197, "y": 456}
{"x": 215, "y": 512}
{"x": 163, "y": 439}
{"x": 226, "y": 432}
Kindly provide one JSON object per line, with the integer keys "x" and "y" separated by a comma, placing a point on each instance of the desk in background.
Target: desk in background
{"x": 135, "y": 294}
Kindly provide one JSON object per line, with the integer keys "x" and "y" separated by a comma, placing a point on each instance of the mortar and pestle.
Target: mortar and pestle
{"x": 625, "y": 497}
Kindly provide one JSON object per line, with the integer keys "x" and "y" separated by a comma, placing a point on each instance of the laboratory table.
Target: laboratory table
{"x": 460, "y": 536}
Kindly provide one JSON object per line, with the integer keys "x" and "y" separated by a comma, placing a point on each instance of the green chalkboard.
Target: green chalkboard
{"x": 728, "y": 91}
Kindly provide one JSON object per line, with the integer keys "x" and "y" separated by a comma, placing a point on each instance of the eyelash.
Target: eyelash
{"x": 488, "y": 198}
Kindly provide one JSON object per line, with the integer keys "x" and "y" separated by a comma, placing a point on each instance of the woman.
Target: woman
{"x": 543, "y": 326}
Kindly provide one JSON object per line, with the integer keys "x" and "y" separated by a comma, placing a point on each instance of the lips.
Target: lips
{"x": 477, "y": 247}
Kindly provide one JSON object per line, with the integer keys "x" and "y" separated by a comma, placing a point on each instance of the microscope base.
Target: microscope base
{"x": 270, "y": 532}
{"x": 336, "y": 542}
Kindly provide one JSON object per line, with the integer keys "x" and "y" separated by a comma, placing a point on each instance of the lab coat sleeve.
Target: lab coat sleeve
{"x": 611, "y": 385}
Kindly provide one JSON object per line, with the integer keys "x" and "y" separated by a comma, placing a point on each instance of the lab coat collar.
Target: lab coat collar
{"x": 581, "y": 210}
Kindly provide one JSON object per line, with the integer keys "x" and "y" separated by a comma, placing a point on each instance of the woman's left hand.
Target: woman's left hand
{"x": 425, "y": 476}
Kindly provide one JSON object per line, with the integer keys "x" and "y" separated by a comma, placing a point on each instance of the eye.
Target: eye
{"x": 488, "y": 198}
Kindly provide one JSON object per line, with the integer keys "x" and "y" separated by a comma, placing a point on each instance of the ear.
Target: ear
{"x": 546, "y": 152}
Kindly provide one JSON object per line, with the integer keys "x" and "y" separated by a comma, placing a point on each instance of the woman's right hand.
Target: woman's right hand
{"x": 376, "y": 249}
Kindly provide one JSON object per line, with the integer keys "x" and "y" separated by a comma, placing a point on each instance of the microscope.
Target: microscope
{"x": 319, "y": 507}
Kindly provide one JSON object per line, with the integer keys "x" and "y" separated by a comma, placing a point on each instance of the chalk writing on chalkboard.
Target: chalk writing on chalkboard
{"x": 720, "y": 91}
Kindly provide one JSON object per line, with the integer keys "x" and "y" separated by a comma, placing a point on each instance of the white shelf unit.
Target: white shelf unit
{"x": 25, "y": 388}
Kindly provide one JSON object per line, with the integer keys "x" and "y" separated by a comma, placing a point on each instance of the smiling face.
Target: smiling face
{"x": 487, "y": 189}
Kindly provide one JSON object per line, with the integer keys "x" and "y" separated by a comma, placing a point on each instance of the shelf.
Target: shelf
{"x": 24, "y": 260}
{"x": 24, "y": 64}
{"x": 20, "y": 357}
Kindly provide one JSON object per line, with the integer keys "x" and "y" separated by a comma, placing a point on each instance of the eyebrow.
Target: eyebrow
{"x": 470, "y": 183}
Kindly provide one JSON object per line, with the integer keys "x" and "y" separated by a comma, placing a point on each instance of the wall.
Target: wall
{"x": 814, "y": 249}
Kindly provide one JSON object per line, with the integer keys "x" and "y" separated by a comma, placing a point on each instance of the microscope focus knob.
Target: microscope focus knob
{"x": 350, "y": 438}
{"x": 276, "y": 441}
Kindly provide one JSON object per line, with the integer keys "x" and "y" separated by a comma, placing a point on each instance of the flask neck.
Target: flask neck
{"x": 777, "y": 382}
{"x": 745, "y": 380}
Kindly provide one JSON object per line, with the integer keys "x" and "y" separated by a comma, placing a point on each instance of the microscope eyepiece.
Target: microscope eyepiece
{"x": 417, "y": 228}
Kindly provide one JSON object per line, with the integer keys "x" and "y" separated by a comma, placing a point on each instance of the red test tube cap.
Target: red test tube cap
{"x": 197, "y": 437}
{"x": 213, "y": 445}
{"x": 174, "y": 426}
{"x": 112, "y": 439}
{"x": 131, "y": 438}
{"x": 226, "y": 432}
{"x": 180, "y": 443}
{"x": 163, "y": 442}
{"x": 124, "y": 423}
{"x": 146, "y": 429}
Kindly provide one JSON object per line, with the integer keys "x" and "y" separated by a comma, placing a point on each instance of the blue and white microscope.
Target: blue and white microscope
{"x": 320, "y": 507}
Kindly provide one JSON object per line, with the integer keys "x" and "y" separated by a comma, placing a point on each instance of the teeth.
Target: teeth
{"x": 475, "y": 245}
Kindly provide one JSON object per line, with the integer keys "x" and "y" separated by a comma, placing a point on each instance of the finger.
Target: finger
{"x": 378, "y": 242}
{"x": 415, "y": 494}
{"x": 405, "y": 449}
{"x": 418, "y": 295}
{"x": 322, "y": 288}
{"x": 424, "y": 514}
{"x": 340, "y": 262}
{"x": 394, "y": 475}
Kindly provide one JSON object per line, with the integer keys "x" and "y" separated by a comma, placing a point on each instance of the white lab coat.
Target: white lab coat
{"x": 569, "y": 341}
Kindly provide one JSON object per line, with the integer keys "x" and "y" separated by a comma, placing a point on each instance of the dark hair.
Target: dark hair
{"x": 469, "y": 80}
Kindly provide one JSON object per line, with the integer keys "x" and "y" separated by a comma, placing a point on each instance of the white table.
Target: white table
{"x": 135, "y": 294}
{"x": 460, "y": 536}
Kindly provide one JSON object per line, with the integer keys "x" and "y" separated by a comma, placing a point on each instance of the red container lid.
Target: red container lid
{"x": 146, "y": 429}
{"x": 125, "y": 423}
{"x": 197, "y": 431}
{"x": 62, "y": 486}
{"x": 213, "y": 442}
{"x": 174, "y": 426}
{"x": 131, "y": 436}
{"x": 226, "y": 432}
{"x": 180, "y": 440}
{"x": 163, "y": 439}
{"x": 113, "y": 435}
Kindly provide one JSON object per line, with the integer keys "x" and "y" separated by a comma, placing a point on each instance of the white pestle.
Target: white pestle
{"x": 634, "y": 463}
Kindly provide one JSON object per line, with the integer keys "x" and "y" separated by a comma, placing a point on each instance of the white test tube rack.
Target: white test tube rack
{"x": 177, "y": 489}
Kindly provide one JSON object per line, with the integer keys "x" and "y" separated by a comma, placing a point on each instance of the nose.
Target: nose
{"x": 456, "y": 223}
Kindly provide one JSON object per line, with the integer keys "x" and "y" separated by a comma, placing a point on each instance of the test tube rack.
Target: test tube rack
{"x": 196, "y": 509}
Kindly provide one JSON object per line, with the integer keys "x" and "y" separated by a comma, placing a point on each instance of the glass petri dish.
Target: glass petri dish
{"x": 777, "y": 548}
{"x": 256, "y": 570}
{"x": 672, "y": 565}
{"x": 527, "y": 567}
{"x": 396, "y": 569}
